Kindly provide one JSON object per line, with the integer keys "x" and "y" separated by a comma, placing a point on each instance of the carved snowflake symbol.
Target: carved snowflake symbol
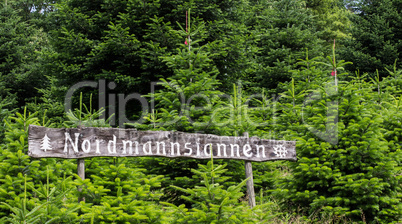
{"x": 280, "y": 151}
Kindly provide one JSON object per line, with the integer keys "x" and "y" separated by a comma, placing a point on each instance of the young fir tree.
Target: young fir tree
{"x": 125, "y": 41}
{"x": 285, "y": 29}
{"x": 120, "y": 193}
{"x": 210, "y": 202}
{"x": 183, "y": 102}
{"x": 28, "y": 186}
{"x": 345, "y": 167}
{"x": 332, "y": 18}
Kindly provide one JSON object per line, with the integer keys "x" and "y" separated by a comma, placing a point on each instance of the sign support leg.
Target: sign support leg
{"x": 250, "y": 183}
{"x": 81, "y": 174}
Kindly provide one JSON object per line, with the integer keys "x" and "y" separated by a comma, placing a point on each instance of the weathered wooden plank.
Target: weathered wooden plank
{"x": 94, "y": 142}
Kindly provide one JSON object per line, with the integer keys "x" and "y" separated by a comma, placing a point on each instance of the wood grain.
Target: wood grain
{"x": 98, "y": 142}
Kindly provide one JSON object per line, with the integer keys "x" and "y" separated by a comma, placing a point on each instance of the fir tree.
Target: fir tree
{"x": 20, "y": 42}
{"x": 375, "y": 44}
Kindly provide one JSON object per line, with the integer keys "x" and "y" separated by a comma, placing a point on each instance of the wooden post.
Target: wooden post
{"x": 81, "y": 174}
{"x": 250, "y": 182}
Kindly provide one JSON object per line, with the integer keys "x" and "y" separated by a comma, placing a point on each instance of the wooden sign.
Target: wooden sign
{"x": 92, "y": 142}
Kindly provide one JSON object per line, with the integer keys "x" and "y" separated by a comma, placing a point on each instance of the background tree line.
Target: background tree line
{"x": 272, "y": 58}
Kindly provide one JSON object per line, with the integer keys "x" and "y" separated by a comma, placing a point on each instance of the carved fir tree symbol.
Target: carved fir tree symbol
{"x": 280, "y": 151}
{"x": 45, "y": 143}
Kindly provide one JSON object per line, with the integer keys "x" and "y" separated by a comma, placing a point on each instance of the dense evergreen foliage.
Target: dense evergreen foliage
{"x": 375, "y": 40}
{"x": 324, "y": 73}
